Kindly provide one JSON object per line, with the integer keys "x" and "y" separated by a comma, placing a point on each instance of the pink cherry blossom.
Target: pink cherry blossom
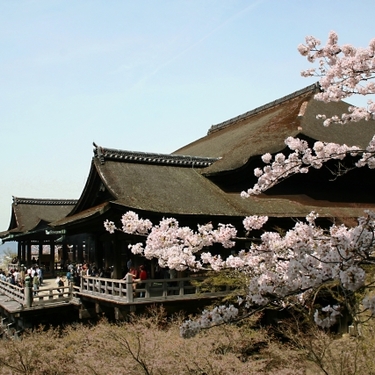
{"x": 343, "y": 71}
{"x": 285, "y": 268}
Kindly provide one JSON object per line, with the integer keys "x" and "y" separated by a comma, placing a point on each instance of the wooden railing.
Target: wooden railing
{"x": 53, "y": 295}
{"x": 121, "y": 291}
{"x": 129, "y": 291}
{"x": 103, "y": 286}
{"x": 14, "y": 292}
{"x": 43, "y": 295}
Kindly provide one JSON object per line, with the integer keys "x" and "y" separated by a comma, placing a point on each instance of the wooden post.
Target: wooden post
{"x": 52, "y": 258}
{"x": 28, "y": 253}
{"x": 129, "y": 288}
{"x": 181, "y": 289}
{"x": 23, "y": 252}
{"x": 40, "y": 255}
{"x": 28, "y": 296}
{"x": 71, "y": 289}
{"x": 165, "y": 288}
{"x": 147, "y": 287}
{"x": 28, "y": 292}
{"x": 74, "y": 253}
{"x": 80, "y": 252}
{"x": 119, "y": 315}
{"x": 98, "y": 308}
{"x": 19, "y": 253}
{"x": 117, "y": 268}
{"x": 98, "y": 252}
{"x": 64, "y": 255}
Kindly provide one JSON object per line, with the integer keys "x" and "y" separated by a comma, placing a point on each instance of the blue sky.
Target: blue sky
{"x": 142, "y": 75}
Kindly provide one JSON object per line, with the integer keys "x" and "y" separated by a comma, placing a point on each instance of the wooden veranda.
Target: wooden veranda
{"x": 96, "y": 295}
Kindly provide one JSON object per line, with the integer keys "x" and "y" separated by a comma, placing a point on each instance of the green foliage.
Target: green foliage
{"x": 231, "y": 281}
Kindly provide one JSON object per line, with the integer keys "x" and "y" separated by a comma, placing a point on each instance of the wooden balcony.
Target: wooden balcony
{"x": 119, "y": 292}
{"x": 151, "y": 290}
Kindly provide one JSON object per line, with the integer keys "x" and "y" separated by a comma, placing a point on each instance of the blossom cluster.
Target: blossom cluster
{"x": 302, "y": 158}
{"x": 254, "y": 222}
{"x": 110, "y": 226}
{"x": 208, "y": 318}
{"x": 279, "y": 266}
{"x": 369, "y": 304}
{"x": 302, "y": 260}
{"x": 331, "y": 314}
{"x": 176, "y": 247}
{"x": 344, "y": 71}
{"x": 131, "y": 223}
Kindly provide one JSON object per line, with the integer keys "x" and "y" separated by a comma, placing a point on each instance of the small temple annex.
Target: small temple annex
{"x": 198, "y": 183}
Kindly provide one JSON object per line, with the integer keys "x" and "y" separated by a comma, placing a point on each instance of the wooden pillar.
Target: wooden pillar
{"x": 88, "y": 250}
{"x": 117, "y": 274}
{"x": 19, "y": 252}
{"x": 99, "y": 253}
{"x": 80, "y": 252}
{"x": 106, "y": 250}
{"x": 40, "y": 255}
{"x": 28, "y": 291}
{"x": 129, "y": 288}
{"x": 64, "y": 254}
{"x": 52, "y": 257}
{"x": 23, "y": 252}
{"x": 74, "y": 253}
{"x": 28, "y": 253}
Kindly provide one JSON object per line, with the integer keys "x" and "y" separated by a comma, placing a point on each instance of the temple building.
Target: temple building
{"x": 29, "y": 226}
{"x": 202, "y": 181}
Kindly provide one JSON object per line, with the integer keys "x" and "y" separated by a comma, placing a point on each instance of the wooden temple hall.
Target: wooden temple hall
{"x": 199, "y": 183}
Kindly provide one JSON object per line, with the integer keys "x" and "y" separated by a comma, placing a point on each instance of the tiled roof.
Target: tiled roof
{"x": 30, "y": 214}
{"x": 104, "y": 154}
{"x": 177, "y": 184}
{"x": 307, "y": 90}
{"x": 44, "y": 202}
{"x": 265, "y": 129}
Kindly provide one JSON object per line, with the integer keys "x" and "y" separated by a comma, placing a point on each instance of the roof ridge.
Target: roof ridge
{"x": 264, "y": 107}
{"x": 43, "y": 201}
{"x": 104, "y": 154}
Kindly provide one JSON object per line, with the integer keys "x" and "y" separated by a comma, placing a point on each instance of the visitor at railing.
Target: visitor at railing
{"x": 36, "y": 283}
{"x": 141, "y": 277}
{"x": 11, "y": 279}
{"x": 69, "y": 276}
{"x": 59, "y": 282}
{"x": 134, "y": 273}
{"x": 2, "y": 276}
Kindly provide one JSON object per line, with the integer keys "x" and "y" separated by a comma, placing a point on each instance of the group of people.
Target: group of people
{"x": 73, "y": 274}
{"x": 22, "y": 275}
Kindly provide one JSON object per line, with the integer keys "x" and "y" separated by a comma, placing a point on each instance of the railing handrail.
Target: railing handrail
{"x": 44, "y": 295}
{"x": 14, "y": 291}
{"x": 124, "y": 290}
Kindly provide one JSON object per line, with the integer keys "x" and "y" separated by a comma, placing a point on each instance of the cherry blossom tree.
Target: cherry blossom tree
{"x": 343, "y": 71}
{"x": 286, "y": 269}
